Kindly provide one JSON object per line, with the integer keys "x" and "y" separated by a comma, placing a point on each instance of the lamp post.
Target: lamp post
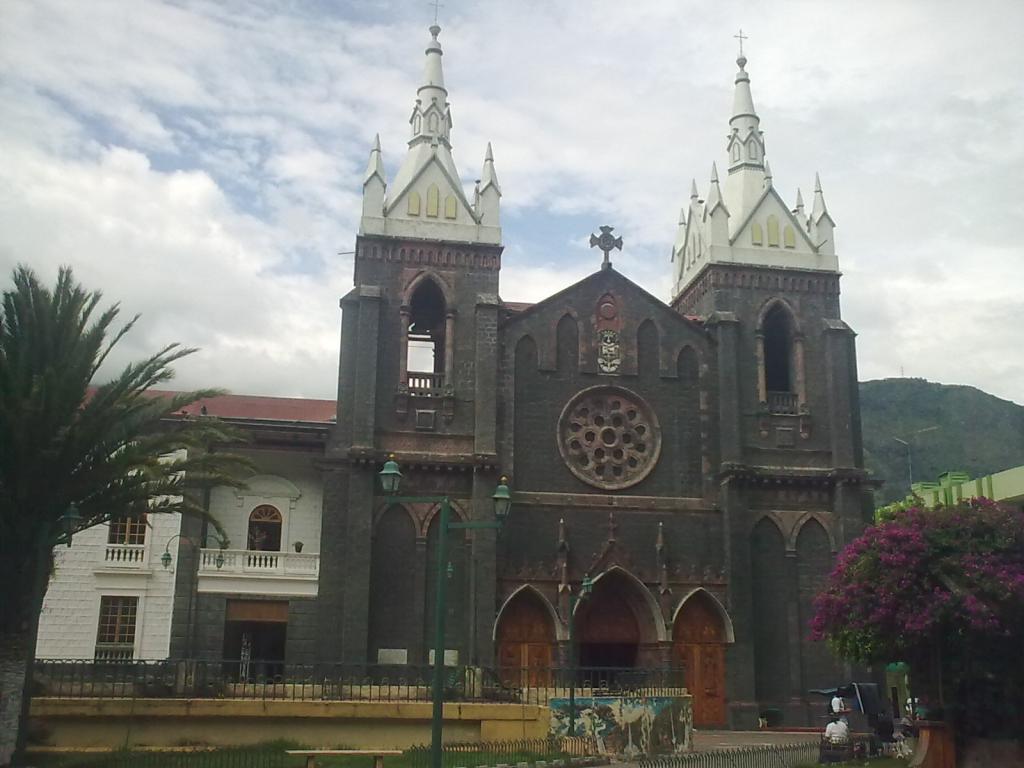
{"x": 390, "y": 480}
{"x": 585, "y": 589}
{"x": 910, "y": 460}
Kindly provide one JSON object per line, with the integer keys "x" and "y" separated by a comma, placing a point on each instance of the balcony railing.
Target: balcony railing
{"x": 425, "y": 384}
{"x": 124, "y": 556}
{"x": 114, "y": 652}
{"x": 783, "y": 403}
{"x": 255, "y": 563}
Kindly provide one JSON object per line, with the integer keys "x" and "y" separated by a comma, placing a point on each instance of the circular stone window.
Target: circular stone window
{"x": 609, "y": 437}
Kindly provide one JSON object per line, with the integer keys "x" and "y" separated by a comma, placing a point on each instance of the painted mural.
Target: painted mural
{"x": 629, "y": 726}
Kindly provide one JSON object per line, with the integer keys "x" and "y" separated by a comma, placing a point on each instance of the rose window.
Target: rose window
{"x": 609, "y": 437}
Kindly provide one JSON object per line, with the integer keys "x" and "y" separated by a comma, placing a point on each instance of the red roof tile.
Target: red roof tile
{"x": 265, "y": 408}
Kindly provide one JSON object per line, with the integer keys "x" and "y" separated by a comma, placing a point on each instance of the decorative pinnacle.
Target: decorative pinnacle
{"x": 435, "y": 4}
{"x": 606, "y": 241}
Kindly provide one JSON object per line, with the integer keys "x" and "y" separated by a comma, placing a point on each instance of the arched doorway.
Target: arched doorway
{"x": 698, "y": 644}
{"x": 526, "y": 636}
{"x": 614, "y": 627}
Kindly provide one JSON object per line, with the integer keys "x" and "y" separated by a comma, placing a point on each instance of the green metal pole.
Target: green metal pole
{"x": 572, "y": 668}
{"x": 440, "y": 608}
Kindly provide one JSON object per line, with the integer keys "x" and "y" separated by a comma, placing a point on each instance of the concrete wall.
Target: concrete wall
{"x": 367, "y": 725}
{"x": 82, "y": 575}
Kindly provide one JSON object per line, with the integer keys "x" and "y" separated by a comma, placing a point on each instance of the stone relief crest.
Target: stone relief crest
{"x": 609, "y": 357}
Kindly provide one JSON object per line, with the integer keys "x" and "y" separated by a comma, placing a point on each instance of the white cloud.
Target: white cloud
{"x": 202, "y": 161}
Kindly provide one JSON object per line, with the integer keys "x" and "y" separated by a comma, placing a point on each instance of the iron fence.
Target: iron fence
{"x": 767, "y": 756}
{"x": 233, "y": 758}
{"x": 539, "y": 753}
{"x": 234, "y": 679}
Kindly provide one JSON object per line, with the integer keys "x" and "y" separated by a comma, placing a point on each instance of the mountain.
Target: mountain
{"x": 976, "y": 432}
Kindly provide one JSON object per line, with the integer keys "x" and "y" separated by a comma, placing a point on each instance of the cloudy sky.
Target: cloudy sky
{"x": 201, "y": 162}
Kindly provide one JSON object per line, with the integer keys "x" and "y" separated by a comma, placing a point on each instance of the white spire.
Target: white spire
{"x": 819, "y": 210}
{"x": 767, "y": 174}
{"x": 375, "y": 167}
{"x": 747, "y": 180}
{"x": 488, "y": 177}
{"x": 426, "y": 199}
{"x": 693, "y": 190}
{"x": 798, "y": 212}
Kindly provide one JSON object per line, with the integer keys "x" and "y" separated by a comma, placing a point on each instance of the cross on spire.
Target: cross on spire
{"x": 436, "y": 4}
{"x": 606, "y": 241}
{"x": 741, "y": 37}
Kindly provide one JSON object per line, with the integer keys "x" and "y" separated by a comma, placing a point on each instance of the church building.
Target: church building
{"x": 697, "y": 462}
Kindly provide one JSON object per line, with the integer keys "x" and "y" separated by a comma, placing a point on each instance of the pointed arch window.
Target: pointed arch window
{"x": 449, "y": 207}
{"x": 417, "y": 125}
{"x": 752, "y": 150}
{"x": 780, "y": 361}
{"x": 264, "y": 534}
{"x": 414, "y": 204}
{"x": 432, "y": 123}
{"x": 773, "y": 231}
{"x": 433, "y": 200}
{"x": 756, "y": 234}
{"x": 428, "y": 326}
{"x": 789, "y": 237}
{"x": 736, "y": 150}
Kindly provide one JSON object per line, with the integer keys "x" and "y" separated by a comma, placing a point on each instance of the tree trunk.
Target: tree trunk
{"x": 14, "y": 652}
{"x": 17, "y": 657}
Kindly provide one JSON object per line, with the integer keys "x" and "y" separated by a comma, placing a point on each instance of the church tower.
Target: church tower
{"x": 764, "y": 276}
{"x": 417, "y": 378}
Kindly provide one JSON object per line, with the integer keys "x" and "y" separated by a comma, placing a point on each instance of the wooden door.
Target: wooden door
{"x": 525, "y": 640}
{"x": 698, "y": 643}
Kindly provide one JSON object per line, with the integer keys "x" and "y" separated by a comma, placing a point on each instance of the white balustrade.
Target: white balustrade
{"x": 124, "y": 556}
{"x": 259, "y": 564}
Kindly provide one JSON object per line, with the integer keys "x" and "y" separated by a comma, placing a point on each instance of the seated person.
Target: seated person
{"x": 839, "y": 705}
{"x": 837, "y": 731}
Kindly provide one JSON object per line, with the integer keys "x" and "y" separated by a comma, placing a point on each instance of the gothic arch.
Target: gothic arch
{"x": 660, "y": 629}
{"x": 804, "y": 519}
{"x": 457, "y": 510}
{"x": 383, "y": 508}
{"x": 688, "y": 359}
{"x": 562, "y": 329}
{"x": 723, "y": 614}
{"x": 774, "y": 520}
{"x": 559, "y": 627}
{"x": 777, "y": 301}
{"x": 648, "y": 344}
{"x": 428, "y": 274}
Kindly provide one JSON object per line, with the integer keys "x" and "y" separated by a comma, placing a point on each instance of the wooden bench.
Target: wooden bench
{"x": 311, "y": 754}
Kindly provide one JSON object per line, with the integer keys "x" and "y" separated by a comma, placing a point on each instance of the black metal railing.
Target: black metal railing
{"x": 536, "y": 752}
{"x": 761, "y": 756}
{"x": 258, "y": 679}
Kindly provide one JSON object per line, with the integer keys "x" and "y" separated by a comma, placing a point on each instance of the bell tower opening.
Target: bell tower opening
{"x": 778, "y": 350}
{"x": 427, "y": 337}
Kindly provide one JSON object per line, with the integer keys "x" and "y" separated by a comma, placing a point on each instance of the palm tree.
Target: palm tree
{"x": 75, "y": 455}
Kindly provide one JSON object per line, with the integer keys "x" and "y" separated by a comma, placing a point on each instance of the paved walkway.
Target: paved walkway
{"x": 707, "y": 740}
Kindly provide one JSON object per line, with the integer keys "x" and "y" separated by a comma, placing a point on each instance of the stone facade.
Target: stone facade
{"x": 697, "y": 462}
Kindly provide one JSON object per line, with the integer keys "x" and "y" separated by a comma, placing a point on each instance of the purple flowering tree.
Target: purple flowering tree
{"x": 944, "y": 590}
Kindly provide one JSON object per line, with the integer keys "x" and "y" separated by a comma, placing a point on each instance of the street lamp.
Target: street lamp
{"x": 390, "y": 481}
{"x": 166, "y": 558}
{"x": 586, "y": 587}
{"x": 69, "y": 522}
{"x": 910, "y": 460}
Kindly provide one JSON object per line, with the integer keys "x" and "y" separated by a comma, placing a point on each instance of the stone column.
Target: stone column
{"x": 762, "y": 386}
{"x": 417, "y": 653}
{"x": 800, "y": 375}
{"x": 449, "y": 348}
{"x": 739, "y": 602}
{"x": 403, "y": 359}
{"x": 730, "y": 428}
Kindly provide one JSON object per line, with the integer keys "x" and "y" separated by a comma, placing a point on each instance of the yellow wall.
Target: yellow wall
{"x": 119, "y": 723}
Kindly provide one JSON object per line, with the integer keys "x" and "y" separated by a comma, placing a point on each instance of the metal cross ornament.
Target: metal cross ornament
{"x": 606, "y": 241}
{"x": 741, "y": 37}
